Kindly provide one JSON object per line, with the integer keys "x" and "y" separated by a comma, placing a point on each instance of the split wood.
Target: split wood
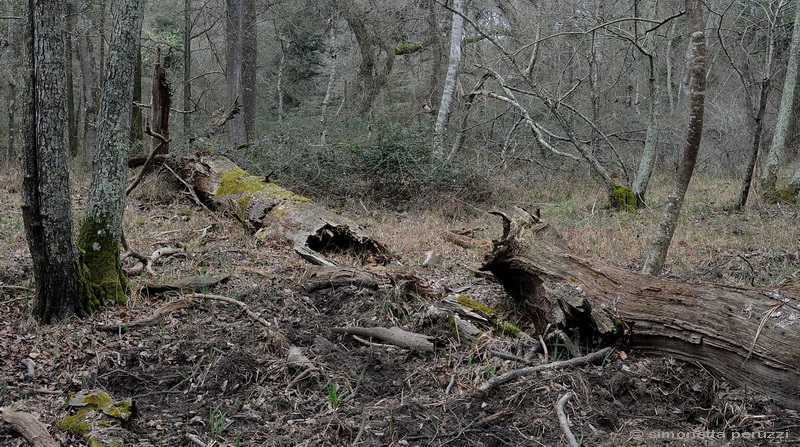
{"x": 517, "y": 373}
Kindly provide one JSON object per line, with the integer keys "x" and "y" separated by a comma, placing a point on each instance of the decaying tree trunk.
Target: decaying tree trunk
{"x": 271, "y": 210}
{"x": 747, "y": 335}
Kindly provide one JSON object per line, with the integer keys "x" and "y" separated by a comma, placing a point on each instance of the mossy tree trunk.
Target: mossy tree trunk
{"x": 273, "y": 211}
{"x": 748, "y": 336}
{"x": 100, "y": 232}
{"x": 46, "y": 201}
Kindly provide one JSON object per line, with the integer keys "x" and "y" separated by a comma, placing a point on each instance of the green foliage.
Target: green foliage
{"x": 390, "y": 169}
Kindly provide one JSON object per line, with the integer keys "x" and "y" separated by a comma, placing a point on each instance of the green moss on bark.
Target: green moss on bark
{"x": 773, "y": 196}
{"x": 621, "y": 198}
{"x": 102, "y": 275}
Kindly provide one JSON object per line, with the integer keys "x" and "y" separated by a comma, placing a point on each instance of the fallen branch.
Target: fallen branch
{"x": 393, "y": 335}
{"x": 148, "y": 161}
{"x": 151, "y": 320}
{"x": 564, "y": 422}
{"x": 29, "y": 427}
{"x": 522, "y": 372}
{"x": 466, "y": 241}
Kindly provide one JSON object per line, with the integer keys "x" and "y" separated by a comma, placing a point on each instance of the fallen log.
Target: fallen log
{"x": 271, "y": 210}
{"x": 749, "y": 336}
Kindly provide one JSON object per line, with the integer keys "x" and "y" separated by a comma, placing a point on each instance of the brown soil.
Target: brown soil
{"x": 212, "y": 371}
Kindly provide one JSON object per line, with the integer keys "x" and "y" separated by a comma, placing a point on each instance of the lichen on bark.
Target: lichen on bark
{"x": 103, "y": 275}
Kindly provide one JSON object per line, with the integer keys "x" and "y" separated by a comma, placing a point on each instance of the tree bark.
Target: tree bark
{"x": 249, "y": 65}
{"x": 187, "y": 68}
{"x": 100, "y": 232}
{"x": 72, "y": 124}
{"x": 769, "y": 176}
{"x": 650, "y": 151}
{"x": 657, "y": 255}
{"x": 233, "y": 65}
{"x": 46, "y": 201}
{"x": 91, "y": 97}
{"x": 161, "y": 102}
{"x": 273, "y": 211}
{"x": 748, "y": 336}
{"x": 453, "y": 65}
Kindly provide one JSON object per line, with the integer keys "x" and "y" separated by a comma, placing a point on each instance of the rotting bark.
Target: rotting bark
{"x": 273, "y": 211}
{"x": 749, "y": 336}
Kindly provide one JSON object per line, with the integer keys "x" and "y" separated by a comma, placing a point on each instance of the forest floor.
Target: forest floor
{"x": 213, "y": 372}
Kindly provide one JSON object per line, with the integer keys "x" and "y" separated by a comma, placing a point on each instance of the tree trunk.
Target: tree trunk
{"x": 161, "y": 103}
{"x": 46, "y": 201}
{"x": 100, "y": 232}
{"x": 137, "y": 117}
{"x": 273, "y": 211}
{"x": 654, "y": 262}
{"x": 187, "y": 68}
{"x": 453, "y": 65}
{"x": 650, "y": 151}
{"x": 748, "y": 336}
{"x": 769, "y": 175}
{"x": 72, "y": 124}
{"x": 91, "y": 98}
{"x": 755, "y": 143}
{"x": 233, "y": 66}
{"x": 249, "y": 64}
{"x": 333, "y": 52}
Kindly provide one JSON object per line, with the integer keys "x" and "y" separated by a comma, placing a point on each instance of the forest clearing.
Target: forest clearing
{"x": 381, "y": 223}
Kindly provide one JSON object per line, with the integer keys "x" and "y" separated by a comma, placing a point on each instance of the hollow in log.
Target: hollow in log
{"x": 271, "y": 210}
{"x": 749, "y": 336}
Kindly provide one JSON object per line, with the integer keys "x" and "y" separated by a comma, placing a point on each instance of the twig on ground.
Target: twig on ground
{"x": 517, "y": 373}
{"x": 564, "y": 422}
{"x": 193, "y": 194}
{"x": 507, "y": 356}
{"x": 364, "y": 419}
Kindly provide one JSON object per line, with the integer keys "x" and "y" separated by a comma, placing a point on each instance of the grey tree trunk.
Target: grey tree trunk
{"x": 453, "y": 65}
{"x": 769, "y": 174}
{"x": 333, "y": 51}
{"x": 100, "y": 232}
{"x": 233, "y": 66}
{"x": 46, "y": 202}
{"x": 72, "y": 124}
{"x": 91, "y": 97}
{"x": 187, "y": 68}
{"x": 648, "y": 160}
{"x": 657, "y": 254}
{"x": 249, "y": 65}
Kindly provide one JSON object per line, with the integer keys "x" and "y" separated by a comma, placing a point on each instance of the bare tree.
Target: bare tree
{"x": 453, "y": 65}
{"x": 657, "y": 254}
{"x": 241, "y": 65}
{"x": 100, "y": 232}
{"x": 769, "y": 174}
{"x": 46, "y": 202}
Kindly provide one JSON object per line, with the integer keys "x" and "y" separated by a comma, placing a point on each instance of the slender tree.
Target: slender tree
{"x": 100, "y": 232}
{"x": 657, "y": 255}
{"x": 241, "y": 66}
{"x": 46, "y": 202}
{"x": 453, "y": 65}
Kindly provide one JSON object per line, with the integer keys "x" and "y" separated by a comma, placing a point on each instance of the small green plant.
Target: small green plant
{"x": 333, "y": 394}
{"x": 216, "y": 421}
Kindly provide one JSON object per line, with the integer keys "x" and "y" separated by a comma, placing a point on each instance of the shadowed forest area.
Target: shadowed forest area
{"x": 426, "y": 222}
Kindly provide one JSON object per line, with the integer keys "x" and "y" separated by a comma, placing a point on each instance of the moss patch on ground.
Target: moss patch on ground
{"x": 621, "y": 198}
{"x": 94, "y": 412}
{"x": 504, "y": 327}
